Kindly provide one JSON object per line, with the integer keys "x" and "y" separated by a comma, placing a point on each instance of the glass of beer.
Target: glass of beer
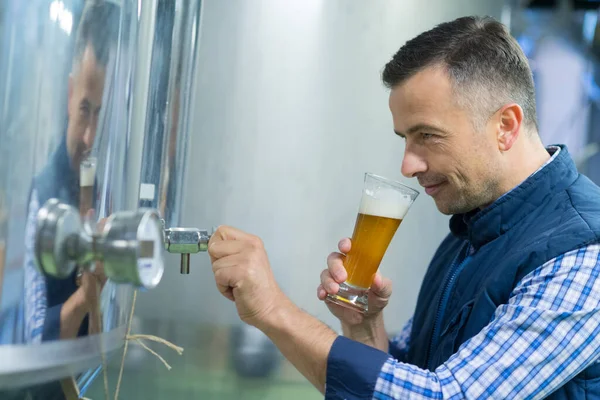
{"x": 382, "y": 208}
{"x": 87, "y": 175}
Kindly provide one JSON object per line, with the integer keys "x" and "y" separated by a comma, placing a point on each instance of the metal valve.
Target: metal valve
{"x": 129, "y": 245}
{"x": 186, "y": 241}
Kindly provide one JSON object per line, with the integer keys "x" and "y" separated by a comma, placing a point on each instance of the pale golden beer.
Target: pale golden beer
{"x": 383, "y": 205}
{"x": 87, "y": 174}
{"x": 372, "y": 235}
{"x": 86, "y": 196}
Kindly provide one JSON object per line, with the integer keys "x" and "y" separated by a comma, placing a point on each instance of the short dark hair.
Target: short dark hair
{"x": 484, "y": 62}
{"x": 98, "y": 29}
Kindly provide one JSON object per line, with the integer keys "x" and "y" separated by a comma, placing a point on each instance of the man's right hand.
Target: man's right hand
{"x": 379, "y": 293}
{"x": 92, "y": 284}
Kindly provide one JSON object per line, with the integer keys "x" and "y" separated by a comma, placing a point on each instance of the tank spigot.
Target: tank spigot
{"x": 186, "y": 241}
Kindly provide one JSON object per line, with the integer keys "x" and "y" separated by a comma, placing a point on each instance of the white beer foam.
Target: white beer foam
{"x": 390, "y": 205}
{"x": 87, "y": 174}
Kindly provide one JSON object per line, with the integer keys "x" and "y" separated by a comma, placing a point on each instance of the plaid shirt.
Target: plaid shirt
{"x": 540, "y": 339}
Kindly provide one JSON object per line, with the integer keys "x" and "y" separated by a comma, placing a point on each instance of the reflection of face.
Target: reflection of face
{"x": 457, "y": 165}
{"x": 86, "y": 86}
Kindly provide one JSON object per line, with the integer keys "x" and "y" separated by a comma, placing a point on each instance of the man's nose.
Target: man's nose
{"x": 412, "y": 164}
{"x": 90, "y": 135}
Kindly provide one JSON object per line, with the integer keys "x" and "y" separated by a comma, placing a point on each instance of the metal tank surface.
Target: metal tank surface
{"x": 74, "y": 242}
{"x": 98, "y": 181}
{"x": 173, "y": 65}
{"x": 287, "y": 113}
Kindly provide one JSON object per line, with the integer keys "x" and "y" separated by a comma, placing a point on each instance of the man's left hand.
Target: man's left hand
{"x": 243, "y": 274}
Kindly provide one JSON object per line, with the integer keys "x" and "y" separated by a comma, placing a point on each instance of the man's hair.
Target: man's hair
{"x": 486, "y": 66}
{"x": 98, "y": 29}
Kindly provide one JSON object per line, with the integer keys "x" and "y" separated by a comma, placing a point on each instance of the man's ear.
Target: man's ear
{"x": 509, "y": 126}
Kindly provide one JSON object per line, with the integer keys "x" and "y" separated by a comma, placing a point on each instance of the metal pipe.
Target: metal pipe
{"x": 167, "y": 121}
{"x": 185, "y": 264}
{"x": 186, "y": 241}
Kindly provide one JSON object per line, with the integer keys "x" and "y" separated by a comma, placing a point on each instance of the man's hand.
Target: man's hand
{"x": 92, "y": 284}
{"x": 366, "y": 328}
{"x": 85, "y": 300}
{"x": 379, "y": 294}
{"x": 243, "y": 274}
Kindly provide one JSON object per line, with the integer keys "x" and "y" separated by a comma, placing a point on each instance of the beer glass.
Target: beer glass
{"x": 383, "y": 205}
{"x": 87, "y": 175}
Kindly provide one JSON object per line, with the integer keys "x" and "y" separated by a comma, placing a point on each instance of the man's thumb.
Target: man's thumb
{"x": 381, "y": 286}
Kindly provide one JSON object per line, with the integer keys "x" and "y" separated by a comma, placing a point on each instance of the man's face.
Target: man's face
{"x": 86, "y": 86}
{"x": 456, "y": 165}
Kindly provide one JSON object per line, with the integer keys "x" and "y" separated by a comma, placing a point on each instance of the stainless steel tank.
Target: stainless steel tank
{"x": 283, "y": 75}
{"x": 74, "y": 242}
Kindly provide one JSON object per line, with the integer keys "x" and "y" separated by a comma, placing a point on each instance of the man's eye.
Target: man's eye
{"x": 427, "y": 135}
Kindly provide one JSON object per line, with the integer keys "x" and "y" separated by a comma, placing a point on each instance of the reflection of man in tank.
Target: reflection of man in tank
{"x": 63, "y": 308}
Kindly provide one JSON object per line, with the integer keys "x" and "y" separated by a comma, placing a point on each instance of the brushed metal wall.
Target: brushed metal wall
{"x": 289, "y": 114}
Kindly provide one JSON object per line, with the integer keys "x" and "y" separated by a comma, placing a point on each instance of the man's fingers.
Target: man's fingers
{"x": 345, "y": 245}
{"x": 227, "y": 262}
{"x": 335, "y": 272}
{"x": 328, "y": 283}
{"x": 227, "y": 292}
{"x": 335, "y": 264}
{"x": 223, "y": 242}
{"x": 100, "y": 225}
{"x": 226, "y": 248}
{"x": 321, "y": 293}
{"x": 225, "y": 278}
{"x": 225, "y": 232}
{"x": 381, "y": 286}
{"x": 89, "y": 214}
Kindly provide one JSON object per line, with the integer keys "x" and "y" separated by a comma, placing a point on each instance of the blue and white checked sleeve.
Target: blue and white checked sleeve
{"x": 547, "y": 333}
{"x": 35, "y": 283}
{"x": 399, "y": 344}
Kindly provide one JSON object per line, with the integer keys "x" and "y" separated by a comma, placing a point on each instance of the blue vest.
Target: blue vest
{"x": 488, "y": 252}
{"x": 58, "y": 180}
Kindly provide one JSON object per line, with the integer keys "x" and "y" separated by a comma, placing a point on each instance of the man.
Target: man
{"x": 58, "y": 308}
{"x": 509, "y": 307}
